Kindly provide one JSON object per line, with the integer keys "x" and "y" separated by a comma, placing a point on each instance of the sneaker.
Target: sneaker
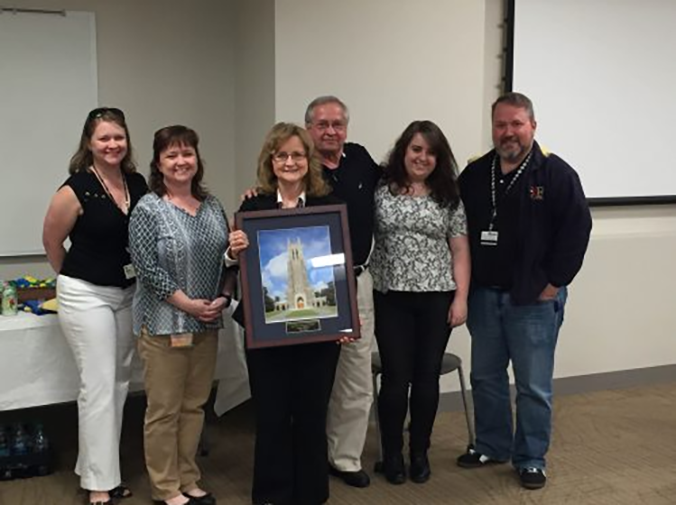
{"x": 473, "y": 459}
{"x": 532, "y": 478}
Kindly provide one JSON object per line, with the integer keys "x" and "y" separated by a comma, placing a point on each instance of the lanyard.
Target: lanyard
{"x": 494, "y": 199}
{"x": 125, "y": 210}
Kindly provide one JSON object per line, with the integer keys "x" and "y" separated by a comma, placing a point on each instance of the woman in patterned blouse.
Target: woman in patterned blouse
{"x": 421, "y": 270}
{"x": 178, "y": 235}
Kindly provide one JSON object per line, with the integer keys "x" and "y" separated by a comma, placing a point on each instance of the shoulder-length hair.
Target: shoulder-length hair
{"x": 314, "y": 182}
{"x": 442, "y": 182}
{"x": 165, "y": 138}
{"x": 83, "y": 158}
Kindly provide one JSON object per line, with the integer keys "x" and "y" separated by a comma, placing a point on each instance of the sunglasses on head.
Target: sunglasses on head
{"x": 99, "y": 112}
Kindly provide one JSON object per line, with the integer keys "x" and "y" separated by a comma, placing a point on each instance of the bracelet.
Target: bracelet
{"x": 228, "y": 299}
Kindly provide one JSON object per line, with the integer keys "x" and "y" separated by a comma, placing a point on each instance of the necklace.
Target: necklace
{"x": 125, "y": 207}
{"x": 187, "y": 204}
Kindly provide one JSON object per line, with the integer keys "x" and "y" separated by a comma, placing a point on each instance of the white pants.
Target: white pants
{"x": 352, "y": 395}
{"x": 96, "y": 321}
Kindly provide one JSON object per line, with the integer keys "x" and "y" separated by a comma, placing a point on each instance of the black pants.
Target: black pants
{"x": 412, "y": 332}
{"x": 291, "y": 387}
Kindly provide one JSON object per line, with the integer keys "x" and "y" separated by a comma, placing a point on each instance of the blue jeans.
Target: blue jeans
{"x": 526, "y": 335}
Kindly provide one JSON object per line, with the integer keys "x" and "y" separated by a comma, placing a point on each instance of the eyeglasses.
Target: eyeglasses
{"x": 99, "y": 112}
{"x": 336, "y": 125}
{"x": 281, "y": 157}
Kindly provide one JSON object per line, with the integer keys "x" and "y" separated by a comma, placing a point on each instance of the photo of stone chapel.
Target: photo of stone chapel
{"x": 293, "y": 289}
{"x": 299, "y": 293}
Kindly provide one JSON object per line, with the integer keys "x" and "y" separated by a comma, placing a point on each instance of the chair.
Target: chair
{"x": 449, "y": 363}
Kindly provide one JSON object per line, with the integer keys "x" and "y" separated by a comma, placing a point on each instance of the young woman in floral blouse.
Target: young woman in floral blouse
{"x": 421, "y": 270}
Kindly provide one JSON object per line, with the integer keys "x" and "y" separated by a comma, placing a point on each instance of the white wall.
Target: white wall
{"x": 163, "y": 62}
{"x": 390, "y": 61}
{"x": 254, "y": 86}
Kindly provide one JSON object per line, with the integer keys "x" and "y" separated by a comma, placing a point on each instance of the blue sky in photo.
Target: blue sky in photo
{"x": 316, "y": 241}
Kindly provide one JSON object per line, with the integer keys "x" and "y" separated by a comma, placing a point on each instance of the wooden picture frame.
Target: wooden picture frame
{"x": 298, "y": 281}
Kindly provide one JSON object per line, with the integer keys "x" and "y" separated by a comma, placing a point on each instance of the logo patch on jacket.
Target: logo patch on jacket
{"x": 537, "y": 193}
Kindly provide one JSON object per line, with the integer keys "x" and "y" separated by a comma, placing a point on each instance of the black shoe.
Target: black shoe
{"x": 358, "y": 478}
{"x": 419, "y": 470}
{"x": 207, "y": 499}
{"x": 532, "y": 478}
{"x": 120, "y": 492}
{"x": 473, "y": 459}
{"x": 394, "y": 470}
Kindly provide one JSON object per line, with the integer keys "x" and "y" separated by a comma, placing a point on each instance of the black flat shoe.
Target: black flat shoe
{"x": 120, "y": 492}
{"x": 358, "y": 478}
{"x": 207, "y": 499}
{"x": 420, "y": 468}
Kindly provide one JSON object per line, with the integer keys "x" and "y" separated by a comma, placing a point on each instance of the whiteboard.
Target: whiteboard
{"x": 48, "y": 84}
{"x": 602, "y": 76}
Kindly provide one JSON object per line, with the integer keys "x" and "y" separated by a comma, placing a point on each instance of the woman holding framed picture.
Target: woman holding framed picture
{"x": 290, "y": 384}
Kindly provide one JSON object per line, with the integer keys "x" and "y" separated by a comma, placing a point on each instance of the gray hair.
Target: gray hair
{"x": 515, "y": 100}
{"x": 322, "y": 100}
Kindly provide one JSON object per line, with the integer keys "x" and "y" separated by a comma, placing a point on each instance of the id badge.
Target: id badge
{"x": 489, "y": 238}
{"x": 129, "y": 271}
{"x": 181, "y": 340}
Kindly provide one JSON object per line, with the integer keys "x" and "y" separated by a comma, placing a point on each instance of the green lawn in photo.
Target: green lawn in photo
{"x": 299, "y": 314}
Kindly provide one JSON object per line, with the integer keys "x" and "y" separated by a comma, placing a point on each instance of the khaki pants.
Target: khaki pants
{"x": 177, "y": 382}
{"x": 352, "y": 396}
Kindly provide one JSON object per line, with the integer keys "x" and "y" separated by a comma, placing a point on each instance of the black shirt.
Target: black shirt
{"x": 354, "y": 181}
{"x": 493, "y": 265}
{"x": 100, "y": 238}
{"x": 554, "y": 223}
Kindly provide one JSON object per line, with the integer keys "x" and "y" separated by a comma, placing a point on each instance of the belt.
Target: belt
{"x": 360, "y": 269}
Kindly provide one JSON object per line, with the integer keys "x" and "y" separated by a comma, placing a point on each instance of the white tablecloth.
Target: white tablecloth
{"x": 37, "y": 366}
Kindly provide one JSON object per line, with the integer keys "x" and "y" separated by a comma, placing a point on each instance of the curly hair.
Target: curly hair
{"x": 315, "y": 185}
{"x": 177, "y": 135}
{"x": 83, "y": 157}
{"x": 442, "y": 182}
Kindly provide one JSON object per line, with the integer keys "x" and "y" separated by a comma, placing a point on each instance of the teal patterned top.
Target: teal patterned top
{"x": 171, "y": 250}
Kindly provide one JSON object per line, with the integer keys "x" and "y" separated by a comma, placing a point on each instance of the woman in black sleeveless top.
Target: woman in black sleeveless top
{"x": 95, "y": 286}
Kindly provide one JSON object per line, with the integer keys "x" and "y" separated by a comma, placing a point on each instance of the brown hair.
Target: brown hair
{"x": 165, "y": 138}
{"x": 515, "y": 100}
{"x": 83, "y": 158}
{"x": 443, "y": 181}
{"x": 315, "y": 185}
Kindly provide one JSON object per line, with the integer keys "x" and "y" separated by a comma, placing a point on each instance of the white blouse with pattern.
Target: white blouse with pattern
{"x": 412, "y": 251}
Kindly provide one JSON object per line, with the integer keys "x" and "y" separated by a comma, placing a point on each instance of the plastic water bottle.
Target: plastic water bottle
{"x": 41, "y": 448}
{"x": 40, "y": 442}
{"x": 4, "y": 443}
{"x": 10, "y": 300}
{"x": 20, "y": 442}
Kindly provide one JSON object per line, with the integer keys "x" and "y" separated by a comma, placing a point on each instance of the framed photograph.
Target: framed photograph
{"x": 298, "y": 284}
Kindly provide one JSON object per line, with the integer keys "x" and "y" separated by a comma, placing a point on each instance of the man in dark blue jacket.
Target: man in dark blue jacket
{"x": 529, "y": 225}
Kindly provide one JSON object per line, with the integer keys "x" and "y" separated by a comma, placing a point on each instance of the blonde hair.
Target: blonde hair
{"x": 315, "y": 185}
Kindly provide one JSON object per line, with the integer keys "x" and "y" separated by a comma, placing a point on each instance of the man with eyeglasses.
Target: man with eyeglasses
{"x": 350, "y": 170}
